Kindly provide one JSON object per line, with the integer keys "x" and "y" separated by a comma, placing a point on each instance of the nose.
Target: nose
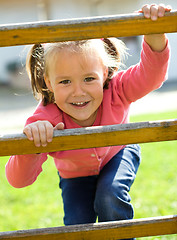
{"x": 78, "y": 90}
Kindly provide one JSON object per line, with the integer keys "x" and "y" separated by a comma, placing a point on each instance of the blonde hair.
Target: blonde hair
{"x": 110, "y": 50}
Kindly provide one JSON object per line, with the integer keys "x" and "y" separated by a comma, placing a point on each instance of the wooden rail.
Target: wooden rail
{"x": 85, "y": 28}
{"x": 100, "y": 231}
{"x": 91, "y": 137}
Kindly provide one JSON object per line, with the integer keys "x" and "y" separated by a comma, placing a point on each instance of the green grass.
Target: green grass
{"x": 154, "y": 190}
{"x": 40, "y": 205}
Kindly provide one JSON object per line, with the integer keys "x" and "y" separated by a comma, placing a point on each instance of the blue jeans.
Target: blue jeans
{"x": 105, "y": 195}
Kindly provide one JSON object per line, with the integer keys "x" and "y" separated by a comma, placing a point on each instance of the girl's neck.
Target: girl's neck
{"x": 95, "y": 122}
{"x": 88, "y": 122}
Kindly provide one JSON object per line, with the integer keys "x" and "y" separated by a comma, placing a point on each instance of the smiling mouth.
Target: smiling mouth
{"x": 80, "y": 104}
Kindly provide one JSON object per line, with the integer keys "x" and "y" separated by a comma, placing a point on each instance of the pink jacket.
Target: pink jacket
{"x": 125, "y": 88}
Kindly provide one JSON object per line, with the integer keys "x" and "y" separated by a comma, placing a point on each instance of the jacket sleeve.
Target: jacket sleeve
{"x": 148, "y": 75}
{"x": 23, "y": 170}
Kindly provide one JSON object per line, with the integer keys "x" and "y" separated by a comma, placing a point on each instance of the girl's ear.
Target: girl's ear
{"x": 105, "y": 74}
{"x": 48, "y": 83}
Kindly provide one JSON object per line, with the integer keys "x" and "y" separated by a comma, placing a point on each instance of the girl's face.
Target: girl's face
{"x": 77, "y": 82}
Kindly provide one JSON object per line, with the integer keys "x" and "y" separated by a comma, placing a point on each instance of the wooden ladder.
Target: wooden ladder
{"x": 86, "y": 28}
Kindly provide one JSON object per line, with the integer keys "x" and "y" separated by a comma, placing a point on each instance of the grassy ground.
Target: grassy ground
{"x": 40, "y": 205}
{"x": 154, "y": 191}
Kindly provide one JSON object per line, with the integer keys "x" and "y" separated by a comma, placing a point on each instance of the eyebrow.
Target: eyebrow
{"x": 68, "y": 77}
{"x": 62, "y": 77}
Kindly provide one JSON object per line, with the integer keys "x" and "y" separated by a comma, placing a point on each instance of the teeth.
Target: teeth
{"x": 78, "y": 103}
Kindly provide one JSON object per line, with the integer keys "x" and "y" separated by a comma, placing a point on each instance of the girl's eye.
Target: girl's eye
{"x": 89, "y": 79}
{"x": 65, "y": 82}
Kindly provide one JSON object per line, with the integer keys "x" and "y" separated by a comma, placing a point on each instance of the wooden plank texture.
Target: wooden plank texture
{"x": 91, "y": 137}
{"x": 100, "y": 231}
{"x": 85, "y": 28}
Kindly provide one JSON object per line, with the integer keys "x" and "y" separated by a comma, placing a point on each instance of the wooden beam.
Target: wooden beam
{"x": 85, "y": 28}
{"x": 100, "y": 231}
{"x": 92, "y": 137}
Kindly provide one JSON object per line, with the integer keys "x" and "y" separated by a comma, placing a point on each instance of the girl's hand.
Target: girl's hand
{"x": 157, "y": 42}
{"x": 41, "y": 132}
{"x": 154, "y": 11}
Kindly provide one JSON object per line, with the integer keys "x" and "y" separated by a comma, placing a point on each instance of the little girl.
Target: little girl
{"x": 80, "y": 86}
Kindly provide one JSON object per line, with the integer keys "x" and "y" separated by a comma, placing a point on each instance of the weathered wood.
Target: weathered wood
{"x": 91, "y": 137}
{"x": 85, "y": 28}
{"x": 100, "y": 231}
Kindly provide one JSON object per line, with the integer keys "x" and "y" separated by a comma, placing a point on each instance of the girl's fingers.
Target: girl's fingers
{"x": 49, "y": 131}
{"x": 150, "y": 11}
{"x": 45, "y": 130}
{"x": 146, "y": 10}
{"x": 41, "y": 132}
{"x": 161, "y": 10}
{"x": 27, "y": 131}
{"x": 59, "y": 126}
{"x": 42, "y": 135}
{"x": 36, "y": 135}
{"x": 154, "y": 11}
